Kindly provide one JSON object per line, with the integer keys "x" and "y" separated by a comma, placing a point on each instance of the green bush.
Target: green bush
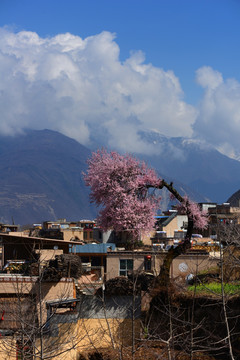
{"x": 216, "y": 288}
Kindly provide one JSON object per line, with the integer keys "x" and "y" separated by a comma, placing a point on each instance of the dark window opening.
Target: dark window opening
{"x": 125, "y": 266}
{"x": 148, "y": 263}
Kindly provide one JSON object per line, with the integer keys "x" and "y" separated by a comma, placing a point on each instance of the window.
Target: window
{"x": 125, "y": 266}
{"x": 148, "y": 263}
{"x": 85, "y": 259}
{"x": 96, "y": 261}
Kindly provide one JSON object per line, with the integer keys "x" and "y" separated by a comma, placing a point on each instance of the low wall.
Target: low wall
{"x": 97, "y": 324}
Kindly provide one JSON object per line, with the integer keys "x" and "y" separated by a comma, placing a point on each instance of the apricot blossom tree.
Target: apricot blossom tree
{"x": 124, "y": 189}
{"x": 119, "y": 184}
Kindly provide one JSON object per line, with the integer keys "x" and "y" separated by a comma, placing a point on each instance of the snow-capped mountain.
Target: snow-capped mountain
{"x": 41, "y": 174}
{"x": 194, "y": 163}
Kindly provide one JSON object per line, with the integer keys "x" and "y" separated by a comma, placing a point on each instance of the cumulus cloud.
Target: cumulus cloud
{"x": 81, "y": 88}
{"x": 208, "y": 78}
{"x": 218, "y": 120}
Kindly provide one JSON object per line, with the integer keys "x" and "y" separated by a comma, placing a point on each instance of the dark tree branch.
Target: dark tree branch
{"x": 164, "y": 275}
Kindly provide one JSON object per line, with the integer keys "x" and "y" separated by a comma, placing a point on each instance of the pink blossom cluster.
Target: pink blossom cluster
{"x": 119, "y": 183}
{"x": 192, "y": 209}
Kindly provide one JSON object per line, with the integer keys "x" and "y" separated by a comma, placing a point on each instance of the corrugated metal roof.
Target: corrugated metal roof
{"x": 93, "y": 248}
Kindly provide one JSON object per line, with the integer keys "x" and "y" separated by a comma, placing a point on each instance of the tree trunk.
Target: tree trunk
{"x": 163, "y": 278}
{"x": 164, "y": 275}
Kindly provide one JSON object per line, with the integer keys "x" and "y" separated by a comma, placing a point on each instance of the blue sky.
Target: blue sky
{"x": 178, "y": 35}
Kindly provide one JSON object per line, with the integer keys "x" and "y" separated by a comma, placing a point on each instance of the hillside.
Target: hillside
{"x": 199, "y": 166}
{"x": 41, "y": 178}
{"x": 41, "y": 175}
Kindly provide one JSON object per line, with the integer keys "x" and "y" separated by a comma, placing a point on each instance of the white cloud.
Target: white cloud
{"x": 218, "y": 121}
{"x": 80, "y": 88}
{"x": 208, "y": 78}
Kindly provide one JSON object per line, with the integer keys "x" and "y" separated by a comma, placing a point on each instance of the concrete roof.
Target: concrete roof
{"x": 38, "y": 239}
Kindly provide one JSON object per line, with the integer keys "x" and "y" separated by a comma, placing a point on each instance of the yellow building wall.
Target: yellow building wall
{"x": 183, "y": 264}
{"x": 61, "y": 290}
{"x": 146, "y": 237}
{"x": 48, "y": 254}
{"x": 192, "y": 264}
{"x": 173, "y": 225}
{"x": 69, "y": 234}
{"x": 84, "y": 336}
{"x": 91, "y": 334}
{"x": 7, "y": 348}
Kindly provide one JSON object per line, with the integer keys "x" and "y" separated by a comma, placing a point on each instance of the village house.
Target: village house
{"x": 69, "y": 230}
{"x": 169, "y": 226}
{"x": 123, "y": 263}
{"x": 67, "y": 303}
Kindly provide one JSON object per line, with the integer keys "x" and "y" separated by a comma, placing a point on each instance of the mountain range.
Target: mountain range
{"x": 41, "y": 174}
{"x": 196, "y": 164}
{"x": 41, "y": 178}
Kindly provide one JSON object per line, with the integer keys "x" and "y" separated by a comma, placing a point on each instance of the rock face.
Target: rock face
{"x": 41, "y": 178}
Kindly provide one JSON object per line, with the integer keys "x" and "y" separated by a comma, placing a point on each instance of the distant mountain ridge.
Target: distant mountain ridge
{"x": 234, "y": 200}
{"x": 41, "y": 174}
{"x": 41, "y": 178}
{"x": 199, "y": 166}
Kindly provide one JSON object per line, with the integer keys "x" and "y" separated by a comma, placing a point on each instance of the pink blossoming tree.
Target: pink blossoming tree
{"x": 122, "y": 185}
